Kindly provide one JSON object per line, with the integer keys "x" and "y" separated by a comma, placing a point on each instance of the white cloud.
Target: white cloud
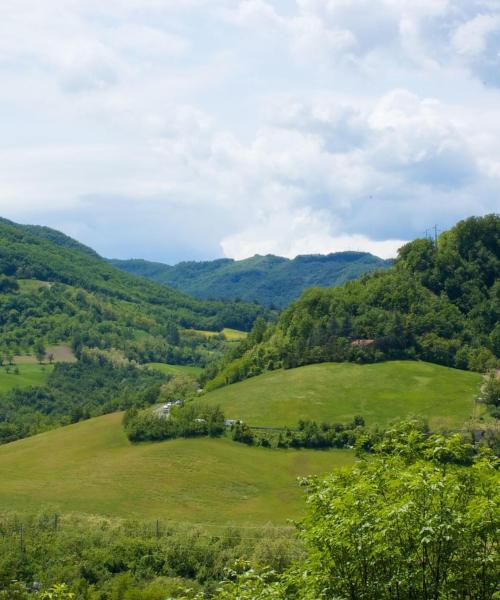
{"x": 470, "y": 39}
{"x": 300, "y": 232}
{"x": 211, "y": 126}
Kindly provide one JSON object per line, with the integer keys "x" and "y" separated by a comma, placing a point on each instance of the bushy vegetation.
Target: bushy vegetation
{"x": 194, "y": 419}
{"x": 53, "y": 289}
{"x": 491, "y": 394}
{"x": 438, "y": 303}
{"x": 93, "y": 386}
{"x": 308, "y": 434}
{"x": 99, "y": 559}
{"x": 270, "y": 280}
{"x": 418, "y": 520}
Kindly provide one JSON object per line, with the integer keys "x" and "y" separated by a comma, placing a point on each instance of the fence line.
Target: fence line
{"x": 25, "y": 530}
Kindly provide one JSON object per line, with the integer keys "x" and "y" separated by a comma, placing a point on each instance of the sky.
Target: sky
{"x": 194, "y": 129}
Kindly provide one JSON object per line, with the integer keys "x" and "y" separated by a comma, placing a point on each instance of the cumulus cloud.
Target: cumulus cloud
{"x": 470, "y": 38}
{"x": 190, "y": 129}
{"x": 300, "y": 232}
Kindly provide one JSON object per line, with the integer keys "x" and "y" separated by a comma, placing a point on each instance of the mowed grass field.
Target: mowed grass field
{"x": 28, "y": 375}
{"x": 92, "y": 468}
{"x": 337, "y": 392}
{"x": 176, "y": 369}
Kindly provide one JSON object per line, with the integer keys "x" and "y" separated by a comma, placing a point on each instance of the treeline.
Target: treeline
{"x": 193, "y": 419}
{"x": 308, "y": 434}
{"x": 91, "y": 387}
{"x": 438, "y": 303}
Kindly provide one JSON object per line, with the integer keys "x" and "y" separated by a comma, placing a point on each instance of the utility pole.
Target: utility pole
{"x": 435, "y": 235}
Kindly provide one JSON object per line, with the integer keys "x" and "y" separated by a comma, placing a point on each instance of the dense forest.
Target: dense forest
{"x": 53, "y": 289}
{"x": 440, "y": 303}
{"x": 270, "y": 280}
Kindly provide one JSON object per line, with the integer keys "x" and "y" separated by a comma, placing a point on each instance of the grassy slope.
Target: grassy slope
{"x": 337, "y": 392}
{"x": 91, "y": 467}
{"x": 28, "y": 375}
{"x": 176, "y": 369}
{"x": 231, "y": 335}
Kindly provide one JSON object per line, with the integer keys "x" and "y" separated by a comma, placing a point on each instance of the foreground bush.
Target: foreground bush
{"x": 403, "y": 525}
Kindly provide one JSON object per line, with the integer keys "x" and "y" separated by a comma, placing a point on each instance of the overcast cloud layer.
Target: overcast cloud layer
{"x": 190, "y": 129}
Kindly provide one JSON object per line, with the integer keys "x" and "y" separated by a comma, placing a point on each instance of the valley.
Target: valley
{"x": 183, "y": 427}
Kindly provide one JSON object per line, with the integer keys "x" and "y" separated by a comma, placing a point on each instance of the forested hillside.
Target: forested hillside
{"x": 269, "y": 280}
{"x": 438, "y": 303}
{"x": 53, "y": 289}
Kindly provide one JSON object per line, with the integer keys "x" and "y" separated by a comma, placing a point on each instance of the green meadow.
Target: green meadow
{"x": 231, "y": 335}
{"x": 234, "y": 335}
{"x": 92, "y": 468}
{"x": 30, "y": 374}
{"x": 337, "y": 392}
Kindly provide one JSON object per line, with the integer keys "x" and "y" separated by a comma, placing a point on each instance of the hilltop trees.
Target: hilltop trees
{"x": 440, "y": 304}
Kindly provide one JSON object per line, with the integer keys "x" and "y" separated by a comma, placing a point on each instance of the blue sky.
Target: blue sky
{"x": 194, "y": 129}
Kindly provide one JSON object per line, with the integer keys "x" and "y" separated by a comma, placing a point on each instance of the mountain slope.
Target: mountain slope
{"x": 440, "y": 304}
{"x": 53, "y": 289}
{"x": 269, "y": 280}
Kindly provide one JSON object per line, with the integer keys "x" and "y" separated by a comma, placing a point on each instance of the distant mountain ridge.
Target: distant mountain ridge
{"x": 270, "y": 280}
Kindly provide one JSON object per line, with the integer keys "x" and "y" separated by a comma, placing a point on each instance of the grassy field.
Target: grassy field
{"x": 231, "y": 335}
{"x": 28, "y": 375}
{"x": 234, "y": 335}
{"x": 337, "y": 392}
{"x": 176, "y": 369}
{"x": 90, "y": 467}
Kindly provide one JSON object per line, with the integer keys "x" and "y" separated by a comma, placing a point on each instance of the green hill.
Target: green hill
{"x": 439, "y": 303}
{"x": 91, "y": 468}
{"x": 55, "y": 290}
{"x": 338, "y": 392}
{"x": 270, "y": 280}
